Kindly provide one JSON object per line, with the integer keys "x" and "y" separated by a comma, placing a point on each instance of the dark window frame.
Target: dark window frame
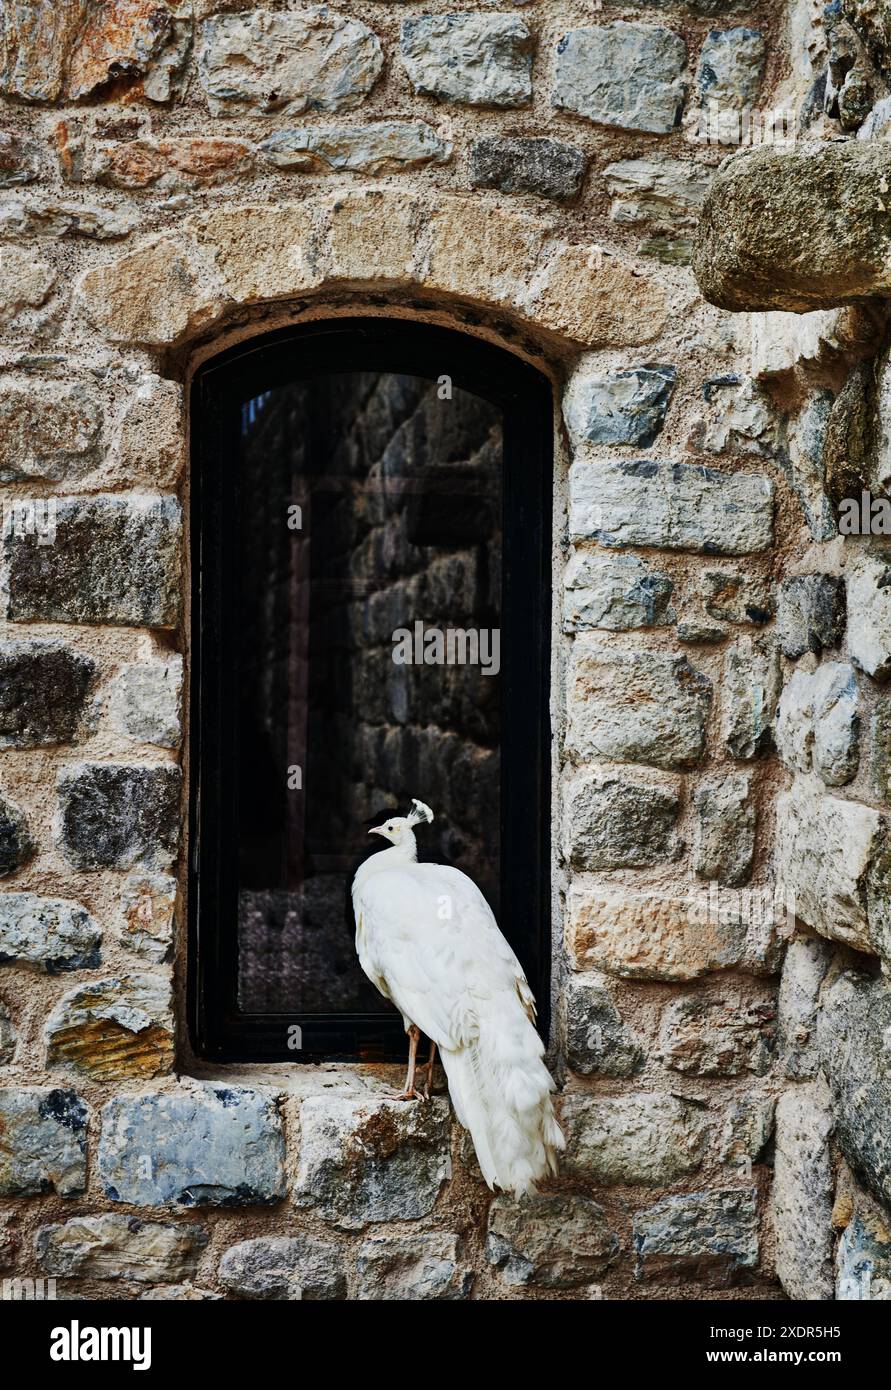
{"x": 218, "y": 1030}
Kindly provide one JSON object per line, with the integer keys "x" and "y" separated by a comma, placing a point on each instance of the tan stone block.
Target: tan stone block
{"x": 372, "y": 235}
{"x": 650, "y": 936}
{"x": 25, "y": 281}
{"x": 260, "y": 252}
{"x": 596, "y": 299}
{"x": 171, "y": 163}
{"x": 483, "y": 252}
{"x": 153, "y": 295}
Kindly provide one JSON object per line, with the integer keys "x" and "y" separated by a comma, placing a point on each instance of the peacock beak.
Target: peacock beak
{"x": 379, "y": 830}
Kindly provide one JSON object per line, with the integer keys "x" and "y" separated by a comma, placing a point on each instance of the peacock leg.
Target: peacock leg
{"x": 414, "y": 1034}
{"x": 428, "y": 1068}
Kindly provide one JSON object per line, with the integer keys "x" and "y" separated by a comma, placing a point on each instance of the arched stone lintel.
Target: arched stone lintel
{"x": 173, "y": 289}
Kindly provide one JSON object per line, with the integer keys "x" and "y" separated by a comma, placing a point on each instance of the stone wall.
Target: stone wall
{"x": 180, "y": 176}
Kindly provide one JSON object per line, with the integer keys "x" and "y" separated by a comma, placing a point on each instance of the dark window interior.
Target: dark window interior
{"x": 357, "y": 482}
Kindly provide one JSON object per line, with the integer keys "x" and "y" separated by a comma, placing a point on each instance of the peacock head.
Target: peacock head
{"x": 399, "y": 830}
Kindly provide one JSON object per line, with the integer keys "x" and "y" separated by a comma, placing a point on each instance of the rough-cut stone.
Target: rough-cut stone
{"x": 47, "y": 430}
{"x": 597, "y": 1041}
{"x": 880, "y": 749}
{"x": 716, "y": 1036}
{"x": 810, "y": 613}
{"x": 7, "y": 1044}
{"x": 673, "y": 505}
{"x": 284, "y": 1268}
{"x": 179, "y": 1293}
{"x": 626, "y": 407}
{"x": 308, "y": 60}
{"x": 863, "y": 1260}
{"x": 60, "y": 217}
{"x": 724, "y": 832}
{"x": 113, "y": 560}
{"x": 746, "y": 1131}
{"x": 111, "y": 1246}
{"x": 798, "y": 229}
{"x": 412, "y": 1268}
{"x": 869, "y": 609}
{"x": 625, "y": 75}
{"x": 635, "y": 706}
{"x": 145, "y": 918}
{"x": 119, "y": 816}
{"x": 614, "y": 823}
{"x": 114, "y": 1029}
{"x": 694, "y": 633}
{"x": 380, "y": 148}
{"x": 818, "y": 723}
{"x": 17, "y": 844}
{"x": 479, "y": 59}
{"x": 149, "y": 435}
{"x": 150, "y": 296}
{"x": 43, "y": 689}
{"x": 803, "y": 462}
{"x": 25, "y": 282}
{"x": 708, "y": 1237}
{"x": 208, "y": 1146}
{"x": 44, "y": 1142}
{"x": 144, "y": 701}
{"x": 363, "y": 1159}
{"x": 548, "y": 168}
{"x": 736, "y": 598}
{"x": 51, "y": 934}
{"x": 550, "y": 1241}
{"x": 751, "y": 688}
{"x": 20, "y": 161}
{"x": 802, "y": 1192}
{"x": 731, "y": 63}
{"x": 666, "y": 194}
{"x": 804, "y": 969}
{"x": 613, "y": 592}
{"x": 832, "y": 855}
{"x": 633, "y": 1139}
{"x": 853, "y": 1032}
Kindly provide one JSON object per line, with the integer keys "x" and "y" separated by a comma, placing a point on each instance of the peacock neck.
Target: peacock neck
{"x": 390, "y": 858}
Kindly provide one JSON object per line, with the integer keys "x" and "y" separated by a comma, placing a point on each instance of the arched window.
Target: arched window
{"x": 370, "y": 623}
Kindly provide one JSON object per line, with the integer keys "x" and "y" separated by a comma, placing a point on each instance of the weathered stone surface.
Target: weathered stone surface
{"x": 853, "y": 1028}
{"x": 208, "y": 1146}
{"x": 802, "y": 1192}
{"x": 674, "y": 505}
{"x": 810, "y": 613}
{"x": 597, "y": 1041}
{"x": 737, "y": 417}
{"x": 7, "y": 1041}
{"x": 179, "y": 1293}
{"x": 598, "y": 300}
{"x": 144, "y": 701}
{"x": 634, "y": 1139}
{"x": 145, "y": 918}
{"x": 62, "y": 217}
{"x": 44, "y": 1142}
{"x": 880, "y": 749}
{"x": 380, "y": 148}
{"x": 716, "y": 1035}
{"x": 751, "y": 688}
{"x": 284, "y": 1268}
{"x": 635, "y": 706}
{"x": 119, "y": 816}
{"x": 626, "y": 407}
{"x": 869, "y": 607}
{"x": 113, "y": 1029}
{"x": 119, "y": 1247}
{"x": 479, "y": 59}
{"x": 47, "y": 430}
{"x": 804, "y": 969}
{"x": 113, "y": 560}
{"x": 708, "y": 1237}
{"x": 20, "y": 161}
{"x": 666, "y": 194}
{"x": 170, "y": 166}
{"x": 863, "y": 1260}
{"x": 550, "y": 1242}
{"x": 17, "y": 844}
{"x": 614, "y": 823}
{"x": 151, "y": 295}
{"x": 745, "y": 1132}
{"x": 736, "y": 598}
{"x": 802, "y": 460}
{"x": 724, "y": 833}
{"x": 797, "y": 229}
{"x": 731, "y": 64}
{"x": 43, "y": 689}
{"x": 832, "y": 855}
{"x": 364, "y": 1159}
{"x": 625, "y": 75}
{"x": 613, "y": 592}
{"x": 818, "y": 723}
{"x": 412, "y": 1268}
{"x": 25, "y": 282}
{"x": 51, "y": 934}
{"x": 548, "y": 168}
{"x": 308, "y": 60}
{"x": 695, "y": 633}
{"x": 149, "y": 435}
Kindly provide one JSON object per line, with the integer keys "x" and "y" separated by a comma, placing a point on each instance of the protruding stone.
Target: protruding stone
{"x": 43, "y": 689}
{"x": 706, "y": 1237}
{"x": 724, "y": 834}
{"x": 731, "y": 64}
{"x": 47, "y": 430}
{"x": 810, "y": 613}
{"x": 119, "y": 1247}
{"x": 144, "y": 701}
{"x": 818, "y": 723}
{"x": 704, "y": 1035}
{"x": 624, "y": 407}
{"x": 146, "y": 913}
{"x": 412, "y": 1269}
{"x": 119, "y": 816}
{"x": 284, "y": 1268}
{"x": 550, "y": 1241}
{"x": 115, "y": 1029}
{"x": 380, "y": 148}
{"x": 869, "y": 609}
{"x": 624, "y": 75}
{"x": 51, "y": 934}
{"x": 751, "y": 688}
{"x": 638, "y": 1139}
{"x": 17, "y": 844}
{"x": 804, "y": 969}
{"x": 478, "y": 59}
{"x": 597, "y": 1041}
{"x": 616, "y": 593}
{"x": 802, "y": 1192}
{"x": 853, "y": 1030}
{"x": 547, "y": 168}
{"x": 207, "y": 1146}
{"x": 44, "y": 1142}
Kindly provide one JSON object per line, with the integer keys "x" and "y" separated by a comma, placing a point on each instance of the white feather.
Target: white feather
{"x": 427, "y": 939}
